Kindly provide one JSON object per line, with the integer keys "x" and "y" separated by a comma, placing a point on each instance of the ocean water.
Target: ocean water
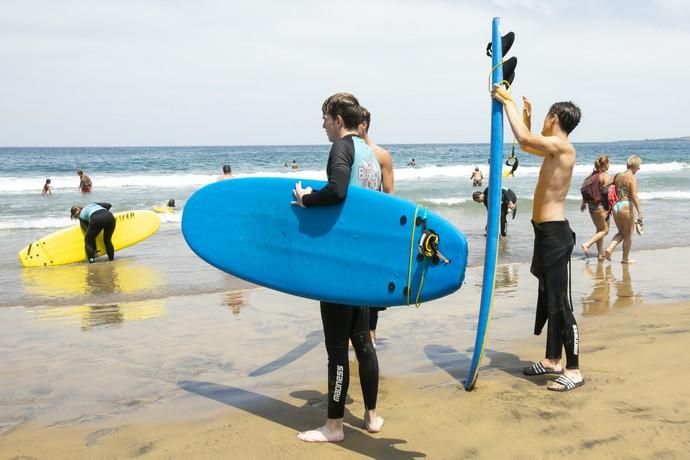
{"x": 141, "y": 177}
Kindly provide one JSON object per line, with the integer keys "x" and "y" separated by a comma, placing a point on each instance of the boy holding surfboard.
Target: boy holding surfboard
{"x": 350, "y": 163}
{"x": 553, "y": 237}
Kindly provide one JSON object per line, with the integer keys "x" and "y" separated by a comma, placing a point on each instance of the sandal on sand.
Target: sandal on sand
{"x": 540, "y": 369}
{"x": 566, "y": 384}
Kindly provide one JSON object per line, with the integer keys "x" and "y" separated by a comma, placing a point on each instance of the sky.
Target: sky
{"x": 205, "y": 72}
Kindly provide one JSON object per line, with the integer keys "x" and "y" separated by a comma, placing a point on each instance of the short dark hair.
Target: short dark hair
{"x": 476, "y": 195}
{"x": 345, "y": 105}
{"x": 80, "y": 172}
{"x": 227, "y": 168}
{"x": 568, "y": 115}
{"x": 366, "y": 117}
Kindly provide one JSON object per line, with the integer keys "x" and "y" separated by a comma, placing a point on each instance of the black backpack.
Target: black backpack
{"x": 590, "y": 189}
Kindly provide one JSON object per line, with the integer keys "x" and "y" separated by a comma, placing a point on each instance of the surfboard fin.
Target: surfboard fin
{"x": 509, "y": 70}
{"x": 506, "y": 42}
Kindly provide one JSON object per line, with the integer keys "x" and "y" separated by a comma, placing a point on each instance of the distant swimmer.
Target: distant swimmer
{"x": 285, "y": 165}
{"x": 412, "y": 163}
{"x": 94, "y": 218}
{"x": 513, "y": 162}
{"x": 385, "y": 160}
{"x": 47, "y": 188}
{"x": 227, "y": 173}
{"x": 295, "y": 165}
{"x": 508, "y": 204}
{"x": 477, "y": 177}
{"x": 171, "y": 203}
{"x": 85, "y": 183}
{"x": 553, "y": 237}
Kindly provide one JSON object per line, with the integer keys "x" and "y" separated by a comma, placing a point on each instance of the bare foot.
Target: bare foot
{"x": 373, "y": 425}
{"x": 322, "y": 434}
{"x": 585, "y": 248}
{"x": 627, "y": 261}
{"x": 600, "y": 258}
{"x": 607, "y": 255}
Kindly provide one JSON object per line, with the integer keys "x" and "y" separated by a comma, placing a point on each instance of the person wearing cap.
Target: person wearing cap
{"x": 227, "y": 173}
{"x": 94, "y": 218}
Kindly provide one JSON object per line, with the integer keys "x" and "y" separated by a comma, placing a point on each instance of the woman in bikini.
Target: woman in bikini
{"x": 623, "y": 212}
{"x": 597, "y": 211}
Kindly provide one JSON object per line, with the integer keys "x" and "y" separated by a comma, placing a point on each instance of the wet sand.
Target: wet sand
{"x": 237, "y": 374}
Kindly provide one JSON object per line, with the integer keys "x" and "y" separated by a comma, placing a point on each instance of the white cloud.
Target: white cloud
{"x": 216, "y": 72}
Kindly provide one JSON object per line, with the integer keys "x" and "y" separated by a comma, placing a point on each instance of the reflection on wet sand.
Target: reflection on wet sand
{"x": 234, "y": 300}
{"x": 507, "y": 276}
{"x": 602, "y": 276}
{"x": 120, "y": 276}
{"x": 598, "y": 302}
{"x": 625, "y": 295}
{"x": 93, "y": 316}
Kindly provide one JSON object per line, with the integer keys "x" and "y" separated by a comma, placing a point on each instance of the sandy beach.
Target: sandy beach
{"x": 237, "y": 374}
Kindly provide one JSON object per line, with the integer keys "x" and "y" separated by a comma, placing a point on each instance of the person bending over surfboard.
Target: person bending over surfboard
{"x": 553, "y": 237}
{"x": 508, "y": 203}
{"x": 385, "y": 160}
{"x": 350, "y": 163}
{"x": 94, "y": 218}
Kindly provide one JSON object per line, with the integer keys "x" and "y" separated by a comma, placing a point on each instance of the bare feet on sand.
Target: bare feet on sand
{"x": 607, "y": 255}
{"x": 627, "y": 261}
{"x": 586, "y": 249}
{"x": 373, "y": 423}
{"x": 323, "y": 434}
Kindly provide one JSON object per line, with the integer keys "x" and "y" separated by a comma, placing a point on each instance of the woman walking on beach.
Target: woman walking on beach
{"x": 594, "y": 197}
{"x": 623, "y": 212}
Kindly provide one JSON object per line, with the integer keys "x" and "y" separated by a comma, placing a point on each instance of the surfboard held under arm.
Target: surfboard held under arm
{"x": 365, "y": 251}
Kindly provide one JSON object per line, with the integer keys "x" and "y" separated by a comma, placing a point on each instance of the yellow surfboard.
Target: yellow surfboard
{"x": 66, "y": 246}
{"x": 163, "y": 209}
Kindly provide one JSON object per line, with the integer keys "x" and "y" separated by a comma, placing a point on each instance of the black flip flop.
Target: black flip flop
{"x": 566, "y": 384}
{"x": 539, "y": 369}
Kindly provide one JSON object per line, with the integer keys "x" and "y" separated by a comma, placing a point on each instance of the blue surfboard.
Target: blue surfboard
{"x": 495, "y": 178}
{"x": 361, "y": 252}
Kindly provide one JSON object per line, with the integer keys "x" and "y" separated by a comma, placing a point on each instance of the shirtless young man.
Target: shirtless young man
{"x": 385, "y": 160}
{"x": 553, "y": 238}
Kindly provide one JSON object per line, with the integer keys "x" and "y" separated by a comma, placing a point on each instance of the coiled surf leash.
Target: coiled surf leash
{"x": 427, "y": 248}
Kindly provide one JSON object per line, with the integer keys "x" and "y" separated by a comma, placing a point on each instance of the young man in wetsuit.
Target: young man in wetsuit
{"x": 94, "y": 218}
{"x": 553, "y": 237}
{"x": 508, "y": 201}
{"x": 350, "y": 163}
{"x": 385, "y": 160}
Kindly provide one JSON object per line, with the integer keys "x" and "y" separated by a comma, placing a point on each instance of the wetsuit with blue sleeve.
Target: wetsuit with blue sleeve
{"x": 94, "y": 218}
{"x": 350, "y": 163}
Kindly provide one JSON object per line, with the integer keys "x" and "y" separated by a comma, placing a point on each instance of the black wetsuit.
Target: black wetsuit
{"x": 343, "y": 322}
{"x": 553, "y": 245}
{"x": 97, "y": 221}
{"x": 506, "y": 196}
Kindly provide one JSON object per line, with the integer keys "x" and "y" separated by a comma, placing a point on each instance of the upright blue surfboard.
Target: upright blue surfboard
{"x": 360, "y": 252}
{"x": 495, "y": 177}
